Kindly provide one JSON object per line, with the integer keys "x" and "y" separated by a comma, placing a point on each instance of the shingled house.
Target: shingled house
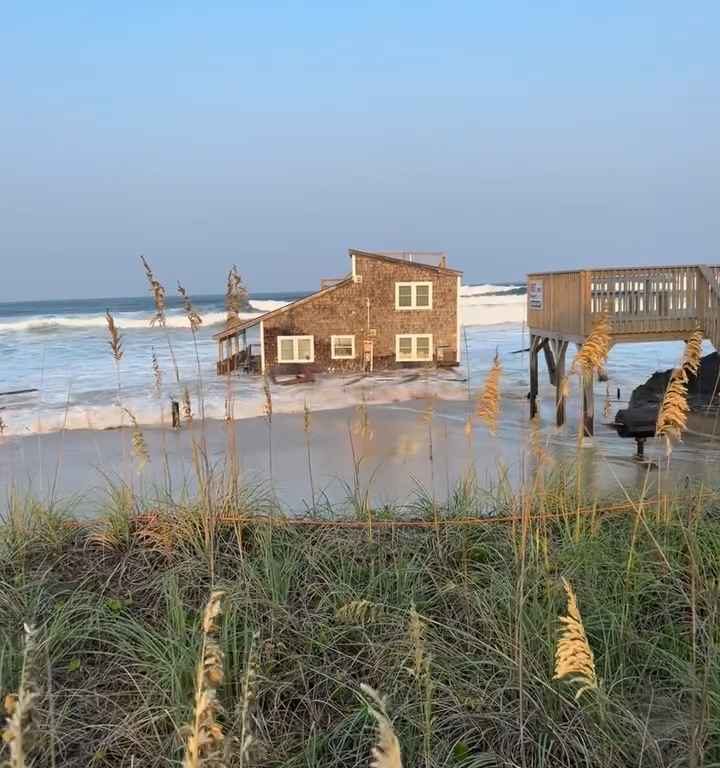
{"x": 393, "y": 310}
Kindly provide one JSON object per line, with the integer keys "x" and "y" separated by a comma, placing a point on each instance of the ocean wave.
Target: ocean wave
{"x": 128, "y": 321}
{"x": 489, "y": 309}
{"x": 485, "y": 289}
{"x": 267, "y": 305}
{"x": 325, "y": 394}
{"x": 486, "y": 294}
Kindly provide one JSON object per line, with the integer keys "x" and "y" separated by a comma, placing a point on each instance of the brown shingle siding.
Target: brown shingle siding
{"x": 346, "y": 309}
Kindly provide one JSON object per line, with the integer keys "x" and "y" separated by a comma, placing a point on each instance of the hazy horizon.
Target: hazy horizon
{"x": 174, "y": 299}
{"x": 276, "y": 136}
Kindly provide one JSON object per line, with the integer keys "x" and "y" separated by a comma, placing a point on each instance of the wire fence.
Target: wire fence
{"x": 662, "y": 505}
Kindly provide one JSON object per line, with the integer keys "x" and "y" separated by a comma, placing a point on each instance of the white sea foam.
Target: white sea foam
{"x": 129, "y": 320}
{"x": 484, "y": 309}
{"x": 481, "y": 305}
{"x": 267, "y": 305}
{"x": 325, "y": 394}
{"x": 485, "y": 288}
{"x": 77, "y": 379}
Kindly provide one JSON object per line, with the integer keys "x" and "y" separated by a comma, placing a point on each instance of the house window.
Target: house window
{"x": 343, "y": 347}
{"x": 413, "y": 295}
{"x": 296, "y": 349}
{"x": 413, "y": 347}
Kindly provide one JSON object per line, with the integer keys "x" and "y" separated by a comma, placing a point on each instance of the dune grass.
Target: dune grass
{"x": 441, "y": 624}
{"x": 499, "y": 627}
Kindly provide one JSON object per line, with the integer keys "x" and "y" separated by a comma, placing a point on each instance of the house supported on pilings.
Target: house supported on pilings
{"x": 642, "y": 304}
{"x": 393, "y": 310}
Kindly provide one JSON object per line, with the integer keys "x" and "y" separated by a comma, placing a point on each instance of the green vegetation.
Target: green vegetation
{"x": 523, "y": 627}
{"x": 455, "y": 621}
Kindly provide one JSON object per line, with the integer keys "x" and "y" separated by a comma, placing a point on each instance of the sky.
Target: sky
{"x": 516, "y": 136}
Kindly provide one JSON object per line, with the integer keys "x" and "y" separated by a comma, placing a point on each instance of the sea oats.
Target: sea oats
{"x": 193, "y": 317}
{"x": 306, "y": 430}
{"x": 674, "y": 409}
{"x": 693, "y": 353}
{"x": 139, "y": 446}
{"x": 416, "y": 629}
{"x": 487, "y": 407}
{"x": 386, "y": 752}
{"x": 235, "y": 295}
{"x": 268, "y": 405}
{"x": 537, "y": 449}
{"x": 204, "y": 745}
{"x": 158, "y": 294}
{"x": 115, "y": 337}
{"x": 428, "y": 412}
{"x": 20, "y": 708}
{"x": 306, "y": 417}
{"x": 596, "y": 348}
{"x": 187, "y": 404}
{"x": 246, "y": 739}
{"x": 157, "y": 375}
{"x": 362, "y": 421}
{"x": 468, "y": 428}
{"x": 574, "y": 660}
{"x": 358, "y": 612}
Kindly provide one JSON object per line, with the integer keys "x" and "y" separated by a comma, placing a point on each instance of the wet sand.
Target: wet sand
{"x": 393, "y": 455}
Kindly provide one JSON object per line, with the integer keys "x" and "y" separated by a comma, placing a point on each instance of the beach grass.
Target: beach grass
{"x": 455, "y": 619}
{"x": 535, "y": 625}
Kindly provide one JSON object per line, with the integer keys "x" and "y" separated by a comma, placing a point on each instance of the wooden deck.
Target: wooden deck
{"x": 642, "y": 303}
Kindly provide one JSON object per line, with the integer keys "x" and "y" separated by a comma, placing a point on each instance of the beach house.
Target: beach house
{"x": 393, "y": 310}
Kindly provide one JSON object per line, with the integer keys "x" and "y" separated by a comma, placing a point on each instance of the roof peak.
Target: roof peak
{"x": 436, "y": 260}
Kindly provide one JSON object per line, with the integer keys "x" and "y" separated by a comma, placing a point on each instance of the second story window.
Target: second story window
{"x": 413, "y": 295}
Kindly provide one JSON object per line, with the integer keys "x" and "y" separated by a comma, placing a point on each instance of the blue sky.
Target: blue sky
{"x": 515, "y": 136}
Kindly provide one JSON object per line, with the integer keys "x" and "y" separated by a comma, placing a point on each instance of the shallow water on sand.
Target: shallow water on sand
{"x": 61, "y": 350}
{"x": 393, "y": 455}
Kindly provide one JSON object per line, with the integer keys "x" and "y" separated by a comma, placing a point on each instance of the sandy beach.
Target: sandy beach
{"x": 393, "y": 454}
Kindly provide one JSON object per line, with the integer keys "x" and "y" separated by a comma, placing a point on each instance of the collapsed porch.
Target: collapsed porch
{"x": 235, "y": 353}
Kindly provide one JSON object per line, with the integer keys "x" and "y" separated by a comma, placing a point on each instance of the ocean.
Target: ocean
{"x": 60, "y": 349}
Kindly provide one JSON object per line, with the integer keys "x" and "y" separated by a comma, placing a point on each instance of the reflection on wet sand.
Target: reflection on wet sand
{"x": 401, "y": 448}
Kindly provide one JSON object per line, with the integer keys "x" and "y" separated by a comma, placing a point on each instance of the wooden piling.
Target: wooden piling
{"x": 550, "y": 359}
{"x": 588, "y": 404}
{"x": 560, "y": 381}
{"x": 534, "y": 388}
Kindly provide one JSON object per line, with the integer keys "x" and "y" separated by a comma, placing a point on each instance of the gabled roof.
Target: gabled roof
{"x": 397, "y": 260}
{"x": 243, "y": 325}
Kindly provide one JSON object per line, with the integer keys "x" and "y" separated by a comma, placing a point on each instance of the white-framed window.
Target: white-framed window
{"x": 296, "y": 349}
{"x": 342, "y": 347}
{"x": 413, "y": 347}
{"x": 413, "y": 295}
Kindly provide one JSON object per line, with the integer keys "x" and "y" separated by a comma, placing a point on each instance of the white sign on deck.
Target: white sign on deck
{"x": 535, "y": 294}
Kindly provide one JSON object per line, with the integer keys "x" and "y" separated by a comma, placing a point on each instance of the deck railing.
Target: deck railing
{"x": 710, "y": 301}
{"x": 647, "y": 300}
{"x": 638, "y": 301}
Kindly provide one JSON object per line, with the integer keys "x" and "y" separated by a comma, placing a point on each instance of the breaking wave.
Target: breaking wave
{"x": 489, "y": 289}
{"x": 134, "y": 321}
